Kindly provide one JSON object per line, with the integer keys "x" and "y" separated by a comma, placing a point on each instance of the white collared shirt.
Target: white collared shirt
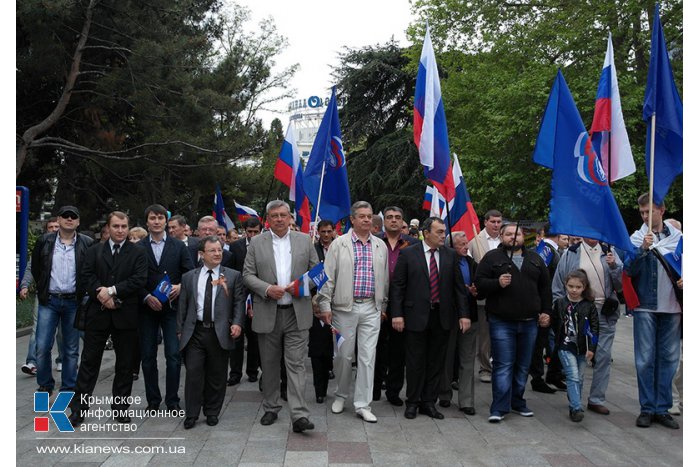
{"x": 111, "y": 245}
{"x": 493, "y": 242}
{"x": 201, "y": 290}
{"x": 282, "y": 248}
{"x": 427, "y": 249}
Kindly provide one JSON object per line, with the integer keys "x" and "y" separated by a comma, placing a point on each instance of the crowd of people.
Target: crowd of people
{"x": 403, "y": 305}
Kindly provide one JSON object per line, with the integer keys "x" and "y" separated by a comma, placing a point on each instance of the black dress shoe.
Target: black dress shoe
{"x": 45, "y": 389}
{"x": 538, "y": 385}
{"x": 665, "y": 420}
{"x": 468, "y": 410}
{"x": 152, "y": 407}
{"x": 252, "y": 378}
{"x": 189, "y": 422}
{"x": 233, "y": 381}
{"x": 301, "y": 425}
{"x": 212, "y": 420}
{"x": 320, "y": 400}
{"x": 123, "y": 419}
{"x": 430, "y": 411}
{"x": 410, "y": 412}
{"x": 268, "y": 418}
{"x": 445, "y": 404}
{"x": 76, "y": 419}
{"x": 394, "y": 400}
{"x": 173, "y": 409}
{"x": 644, "y": 420}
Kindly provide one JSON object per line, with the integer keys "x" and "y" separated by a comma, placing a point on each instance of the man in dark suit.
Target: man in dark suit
{"x": 239, "y": 248}
{"x": 113, "y": 274}
{"x": 210, "y": 316}
{"x": 166, "y": 256}
{"x": 427, "y": 295}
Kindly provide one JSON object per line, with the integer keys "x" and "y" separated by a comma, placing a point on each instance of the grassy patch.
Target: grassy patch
{"x": 24, "y": 311}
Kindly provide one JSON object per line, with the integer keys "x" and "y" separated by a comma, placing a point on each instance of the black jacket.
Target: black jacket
{"x": 584, "y": 310}
{"x": 175, "y": 261}
{"x": 42, "y": 258}
{"x": 471, "y": 300}
{"x": 530, "y": 290}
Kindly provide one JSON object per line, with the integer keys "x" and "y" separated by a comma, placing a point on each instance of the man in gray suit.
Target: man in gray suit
{"x": 210, "y": 316}
{"x": 274, "y": 260}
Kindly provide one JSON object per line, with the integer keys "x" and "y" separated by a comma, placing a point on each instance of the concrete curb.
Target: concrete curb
{"x": 24, "y": 331}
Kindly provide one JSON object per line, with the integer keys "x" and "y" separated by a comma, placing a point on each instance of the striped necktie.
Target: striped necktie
{"x": 434, "y": 278}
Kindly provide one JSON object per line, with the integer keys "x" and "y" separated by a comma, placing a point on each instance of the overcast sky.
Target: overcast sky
{"x": 318, "y": 29}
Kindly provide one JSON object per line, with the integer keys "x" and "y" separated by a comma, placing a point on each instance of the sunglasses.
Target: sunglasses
{"x": 70, "y": 215}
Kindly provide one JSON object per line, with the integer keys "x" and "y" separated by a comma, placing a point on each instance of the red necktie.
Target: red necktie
{"x": 434, "y": 279}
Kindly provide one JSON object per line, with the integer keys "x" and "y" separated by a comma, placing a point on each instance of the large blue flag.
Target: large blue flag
{"x": 661, "y": 98}
{"x": 582, "y": 203}
{"x": 328, "y": 149}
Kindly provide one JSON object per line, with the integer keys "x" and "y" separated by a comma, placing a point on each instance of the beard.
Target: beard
{"x": 511, "y": 247}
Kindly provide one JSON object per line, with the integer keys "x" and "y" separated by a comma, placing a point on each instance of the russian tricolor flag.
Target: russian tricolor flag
{"x": 316, "y": 276}
{"x": 462, "y": 214}
{"x": 288, "y": 170}
{"x": 244, "y": 212}
{"x": 219, "y": 212}
{"x": 608, "y": 132}
{"x": 430, "y": 124}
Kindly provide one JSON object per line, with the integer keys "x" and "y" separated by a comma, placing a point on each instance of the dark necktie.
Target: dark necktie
{"x": 208, "y": 292}
{"x": 116, "y": 250}
{"x": 434, "y": 278}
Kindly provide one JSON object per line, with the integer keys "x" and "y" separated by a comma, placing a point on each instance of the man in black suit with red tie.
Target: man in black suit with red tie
{"x": 427, "y": 297}
{"x": 112, "y": 276}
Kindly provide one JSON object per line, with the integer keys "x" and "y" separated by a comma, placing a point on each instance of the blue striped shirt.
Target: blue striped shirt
{"x": 63, "y": 267}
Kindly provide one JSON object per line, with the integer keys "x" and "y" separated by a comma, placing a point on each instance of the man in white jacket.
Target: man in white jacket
{"x": 357, "y": 293}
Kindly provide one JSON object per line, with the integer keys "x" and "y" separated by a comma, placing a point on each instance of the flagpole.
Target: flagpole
{"x": 651, "y": 167}
{"x": 320, "y": 190}
{"x": 267, "y": 198}
{"x": 449, "y": 225}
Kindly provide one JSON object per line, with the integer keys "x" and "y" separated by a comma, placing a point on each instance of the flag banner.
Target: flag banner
{"x": 437, "y": 205}
{"x": 668, "y": 247}
{"x": 608, "y": 131}
{"x": 163, "y": 289}
{"x": 430, "y": 123}
{"x": 339, "y": 339}
{"x": 661, "y": 99}
{"x": 314, "y": 277}
{"x": 244, "y": 212}
{"x": 328, "y": 149}
{"x": 219, "y": 212}
{"x": 545, "y": 251}
{"x": 428, "y": 198}
{"x": 675, "y": 259}
{"x": 289, "y": 171}
{"x": 462, "y": 214}
{"x": 582, "y": 203}
{"x": 588, "y": 332}
{"x": 249, "y": 305}
{"x": 631, "y": 297}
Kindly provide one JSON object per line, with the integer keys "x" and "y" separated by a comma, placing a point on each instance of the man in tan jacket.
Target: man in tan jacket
{"x": 487, "y": 240}
{"x": 357, "y": 293}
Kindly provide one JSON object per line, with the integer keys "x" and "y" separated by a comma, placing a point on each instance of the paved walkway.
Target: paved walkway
{"x": 549, "y": 438}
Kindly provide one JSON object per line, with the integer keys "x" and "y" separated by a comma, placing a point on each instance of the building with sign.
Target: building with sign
{"x": 306, "y": 115}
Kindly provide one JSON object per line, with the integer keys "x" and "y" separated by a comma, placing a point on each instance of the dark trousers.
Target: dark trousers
{"x": 148, "y": 332}
{"x": 381, "y": 365}
{"x": 425, "y": 361}
{"x": 396, "y": 350}
{"x": 125, "y": 342}
{"x": 321, "y": 366}
{"x": 253, "y": 354}
{"x": 554, "y": 372}
{"x": 205, "y": 380}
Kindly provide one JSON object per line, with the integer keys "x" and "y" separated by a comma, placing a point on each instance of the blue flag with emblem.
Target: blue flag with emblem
{"x": 545, "y": 251}
{"x": 582, "y": 203}
{"x": 163, "y": 289}
{"x": 588, "y": 332}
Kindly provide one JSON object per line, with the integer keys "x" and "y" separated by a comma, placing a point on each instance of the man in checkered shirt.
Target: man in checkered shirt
{"x": 357, "y": 293}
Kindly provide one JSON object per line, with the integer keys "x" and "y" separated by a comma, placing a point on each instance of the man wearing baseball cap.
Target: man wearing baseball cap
{"x": 56, "y": 262}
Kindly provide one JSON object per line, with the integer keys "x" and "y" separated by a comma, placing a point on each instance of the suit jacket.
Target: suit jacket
{"x": 127, "y": 272}
{"x": 259, "y": 272}
{"x": 228, "y": 309}
{"x": 238, "y": 249}
{"x": 410, "y": 289}
{"x": 479, "y": 245}
{"x": 175, "y": 261}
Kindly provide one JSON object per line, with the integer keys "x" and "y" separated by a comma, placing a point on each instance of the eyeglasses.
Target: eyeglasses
{"x": 69, "y": 215}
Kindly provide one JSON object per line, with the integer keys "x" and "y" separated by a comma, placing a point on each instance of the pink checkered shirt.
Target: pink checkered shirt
{"x": 363, "y": 277}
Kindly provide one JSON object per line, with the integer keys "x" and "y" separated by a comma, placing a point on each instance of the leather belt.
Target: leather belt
{"x": 362, "y": 299}
{"x": 64, "y": 296}
{"x": 205, "y": 325}
{"x": 285, "y": 307}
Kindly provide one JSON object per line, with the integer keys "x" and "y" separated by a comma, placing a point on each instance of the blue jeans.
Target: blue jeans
{"x": 574, "y": 367}
{"x": 601, "y": 370}
{"x": 657, "y": 349}
{"x": 512, "y": 343}
{"x": 63, "y": 311}
{"x": 149, "y": 324}
{"x": 31, "y": 349}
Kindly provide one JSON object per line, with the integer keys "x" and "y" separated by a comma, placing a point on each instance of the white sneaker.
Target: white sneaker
{"x": 675, "y": 410}
{"x": 366, "y": 414}
{"x": 496, "y": 418}
{"x": 59, "y": 366}
{"x": 338, "y": 405}
{"x": 29, "y": 369}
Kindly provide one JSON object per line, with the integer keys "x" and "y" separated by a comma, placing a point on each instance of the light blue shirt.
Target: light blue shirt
{"x": 157, "y": 247}
{"x": 63, "y": 267}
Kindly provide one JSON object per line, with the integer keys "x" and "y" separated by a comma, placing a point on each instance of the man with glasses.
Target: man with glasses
{"x": 57, "y": 260}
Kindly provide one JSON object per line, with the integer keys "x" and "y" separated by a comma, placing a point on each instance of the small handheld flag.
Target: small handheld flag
{"x": 249, "y": 305}
{"x": 163, "y": 289}
{"x": 339, "y": 339}
{"x": 588, "y": 332}
{"x": 316, "y": 276}
{"x": 545, "y": 252}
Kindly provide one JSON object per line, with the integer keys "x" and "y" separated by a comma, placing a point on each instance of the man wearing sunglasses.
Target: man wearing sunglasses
{"x": 57, "y": 259}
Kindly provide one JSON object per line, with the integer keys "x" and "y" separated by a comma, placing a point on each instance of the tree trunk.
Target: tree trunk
{"x": 33, "y": 132}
